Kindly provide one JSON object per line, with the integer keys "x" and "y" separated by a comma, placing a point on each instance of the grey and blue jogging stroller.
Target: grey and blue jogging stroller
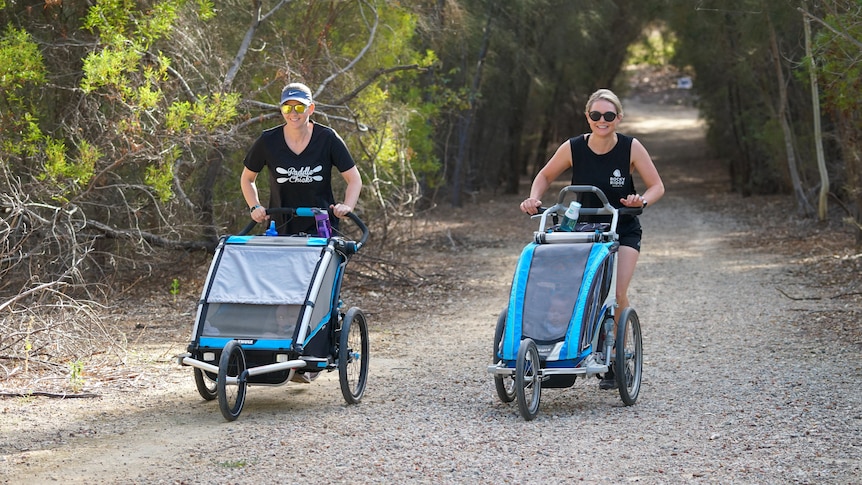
{"x": 271, "y": 312}
{"x": 559, "y": 323}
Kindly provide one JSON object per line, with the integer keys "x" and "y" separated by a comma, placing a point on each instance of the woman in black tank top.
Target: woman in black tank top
{"x": 607, "y": 160}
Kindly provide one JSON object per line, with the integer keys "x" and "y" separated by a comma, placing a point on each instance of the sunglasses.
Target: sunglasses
{"x": 299, "y": 108}
{"x": 609, "y": 116}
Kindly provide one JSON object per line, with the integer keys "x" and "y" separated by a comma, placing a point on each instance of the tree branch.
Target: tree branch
{"x": 822, "y": 22}
{"x": 356, "y": 59}
{"x": 149, "y": 237}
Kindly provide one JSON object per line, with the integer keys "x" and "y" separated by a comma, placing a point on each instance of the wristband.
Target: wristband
{"x": 255, "y": 207}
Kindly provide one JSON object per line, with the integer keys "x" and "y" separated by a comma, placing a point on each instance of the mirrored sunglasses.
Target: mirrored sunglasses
{"x": 299, "y": 108}
{"x": 609, "y": 116}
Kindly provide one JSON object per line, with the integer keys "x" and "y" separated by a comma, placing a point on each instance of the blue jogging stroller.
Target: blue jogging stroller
{"x": 559, "y": 323}
{"x": 270, "y": 312}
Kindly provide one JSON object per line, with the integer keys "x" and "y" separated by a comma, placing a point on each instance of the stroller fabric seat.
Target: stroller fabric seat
{"x": 551, "y": 293}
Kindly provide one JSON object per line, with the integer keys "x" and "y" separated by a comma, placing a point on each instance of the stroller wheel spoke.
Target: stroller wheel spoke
{"x": 528, "y": 384}
{"x": 628, "y": 363}
{"x": 353, "y": 355}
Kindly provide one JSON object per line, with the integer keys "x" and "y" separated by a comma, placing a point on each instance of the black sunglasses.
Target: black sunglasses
{"x": 609, "y": 116}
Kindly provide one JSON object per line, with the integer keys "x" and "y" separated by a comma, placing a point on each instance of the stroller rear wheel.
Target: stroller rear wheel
{"x": 528, "y": 384}
{"x": 505, "y": 384}
{"x": 628, "y": 361}
{"x": 231, "y": 384}
{"x": 353, "y": 355}
{"x": 206, "y": 385}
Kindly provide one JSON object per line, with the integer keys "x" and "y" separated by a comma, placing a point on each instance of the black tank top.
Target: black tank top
{"x": 611, "y": 172}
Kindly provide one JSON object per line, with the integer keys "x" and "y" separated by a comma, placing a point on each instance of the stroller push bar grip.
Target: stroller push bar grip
{"x": 356, "y": 220}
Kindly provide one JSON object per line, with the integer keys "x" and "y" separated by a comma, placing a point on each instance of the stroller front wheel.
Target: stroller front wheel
{"x": 528, "y": 383}
{"x": 353, "y": 355}
{"x": 231, "y": 383}
{"x": 628, "y": 361}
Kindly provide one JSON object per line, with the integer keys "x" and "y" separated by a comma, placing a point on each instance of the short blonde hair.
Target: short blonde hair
{"x": 607, "y": 95}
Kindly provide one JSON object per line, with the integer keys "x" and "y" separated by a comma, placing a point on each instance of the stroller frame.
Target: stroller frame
{"x": 531, "y": 349}
{"x": 262, "y": 328}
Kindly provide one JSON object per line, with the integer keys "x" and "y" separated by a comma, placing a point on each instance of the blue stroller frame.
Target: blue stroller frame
{"x": 559, "y": 323}
{"x": 271, "y": 311}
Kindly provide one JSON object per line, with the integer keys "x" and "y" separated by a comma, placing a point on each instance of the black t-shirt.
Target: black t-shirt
{"x": 300, "y": 180}
{"x": 610, "y": 172}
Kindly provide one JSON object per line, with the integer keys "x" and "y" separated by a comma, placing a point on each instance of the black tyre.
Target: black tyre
{"x": 231, "y": 384}
{"x": 505, "y": 384}
{"x": 528, "y": 384}
{"x": 353, "y": 355}
{"x": 628, "y": 359}
{"x": 206, "y": 384}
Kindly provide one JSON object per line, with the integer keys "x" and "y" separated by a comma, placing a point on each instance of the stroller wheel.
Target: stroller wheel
{"x": 628, "y": 361}
{"x": 528, "y": 383}
{"x": 505, "y": 384}
{"x": 206, "y": 384}
{"x": 353, "y": 355}
{"x": 231, "y": 383}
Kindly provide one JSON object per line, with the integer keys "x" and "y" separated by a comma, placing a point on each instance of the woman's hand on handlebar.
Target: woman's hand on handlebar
{"x": 259, "y": 214}
{"x": 531, "y": 205}
{"x": 341, "y": 210}
{"x": 635, "y": 201}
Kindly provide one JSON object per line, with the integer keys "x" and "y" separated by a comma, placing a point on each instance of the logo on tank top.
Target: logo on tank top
{"x": 617, "y": 179}
{"x": 305, "y": 175}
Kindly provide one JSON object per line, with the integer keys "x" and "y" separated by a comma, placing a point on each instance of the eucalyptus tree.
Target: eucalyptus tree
{"x": 838, "y": 50}
{"x": 755, "y": 94}
{"x": 544, "y": 58}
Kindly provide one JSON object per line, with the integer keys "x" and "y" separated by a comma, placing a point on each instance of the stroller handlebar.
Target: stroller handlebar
{"x": 607, "y": 209}
{"x": 350, "y": 246}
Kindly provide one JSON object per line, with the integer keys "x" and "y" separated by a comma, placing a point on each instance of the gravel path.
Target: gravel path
{"x": 735, "y": 389}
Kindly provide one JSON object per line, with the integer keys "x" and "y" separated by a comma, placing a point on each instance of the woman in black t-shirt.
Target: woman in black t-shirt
{"x": 605, "y": 159}
{"x": 299, "y": 156}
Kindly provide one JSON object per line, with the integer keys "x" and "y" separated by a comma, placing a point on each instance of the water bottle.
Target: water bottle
{"x": 271, "y": 231}
{"x": 321, "y": 218}
{"x": 570, "y": 218}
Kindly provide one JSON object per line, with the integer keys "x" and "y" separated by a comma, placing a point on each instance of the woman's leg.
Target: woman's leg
{"x": 626, "y": 262}
{"x": 627, "y": 259}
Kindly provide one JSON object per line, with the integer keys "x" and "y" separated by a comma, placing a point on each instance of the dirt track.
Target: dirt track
{"x": 736, "y": 389}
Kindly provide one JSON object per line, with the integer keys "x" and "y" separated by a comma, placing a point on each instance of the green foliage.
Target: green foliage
{"x": 76, "y": 375}
{"x": 178, "y": 116}
{"x": 655, "y": 48}
{"x": 840, "y": 70}
{"x": 160, "y": 177}
{"x": 21, "y": 61}
{"x": 58, "y": 167}
{"x": 216, "y": 110}
{"x": 22, "y": 72}
{"x": 110, "y": 68}
{"x": 206, "y": 9}
{"x": 24, "y": 139}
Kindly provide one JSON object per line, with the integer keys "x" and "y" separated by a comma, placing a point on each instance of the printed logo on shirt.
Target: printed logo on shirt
{"x": 617, "y": 180}
{"x": 305, "y": 175}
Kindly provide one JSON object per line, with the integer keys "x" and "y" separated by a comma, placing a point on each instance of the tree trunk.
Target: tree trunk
{"x": 818, "y": 135}
{"x": 467, "y": 121}
{"x": 802, "y": 205}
